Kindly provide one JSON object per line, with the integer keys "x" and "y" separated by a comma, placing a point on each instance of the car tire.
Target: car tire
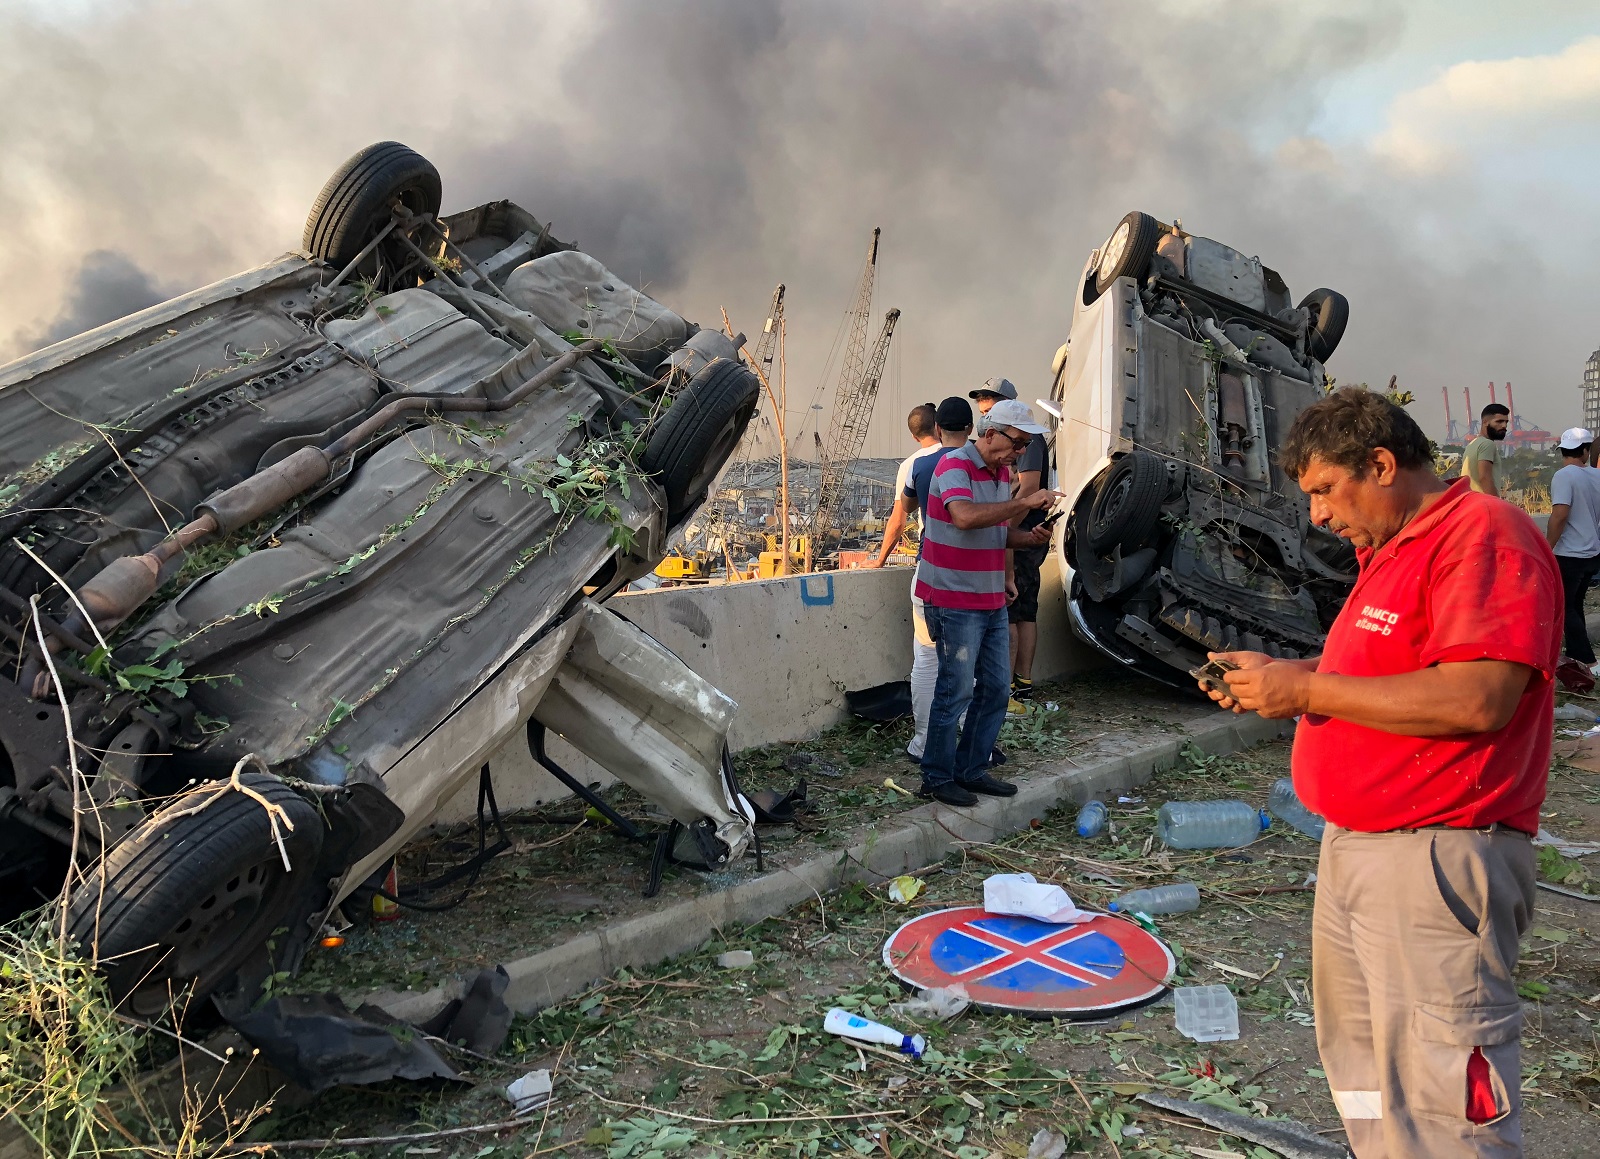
{"x": 1127, "y": 504}
{"x": 699, "y": 432}
{"x": 189, "y": 897}
{"x": 1127, "y": 251}
{"x": 355, "y": 203}
{"x": 1330, "y": 311}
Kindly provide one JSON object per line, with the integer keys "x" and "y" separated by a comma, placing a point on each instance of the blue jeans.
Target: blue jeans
{"x": 975, "y": 678}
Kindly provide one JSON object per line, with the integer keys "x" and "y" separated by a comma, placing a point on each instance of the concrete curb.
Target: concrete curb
{"x": 916, "y": 838}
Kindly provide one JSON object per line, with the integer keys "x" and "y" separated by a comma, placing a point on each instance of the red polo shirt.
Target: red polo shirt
{"x": 1470, "y": 578}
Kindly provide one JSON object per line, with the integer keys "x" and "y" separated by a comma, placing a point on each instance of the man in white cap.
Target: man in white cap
{"x": 962, "y": 583}
{"x": 1574, "y": 534}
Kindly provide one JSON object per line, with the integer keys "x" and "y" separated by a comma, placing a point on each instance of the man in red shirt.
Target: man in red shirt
{"x": 1424, "y": 739}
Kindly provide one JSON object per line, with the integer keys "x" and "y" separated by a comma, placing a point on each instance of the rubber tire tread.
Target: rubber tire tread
{"x": 159, "y": 869}
{"x": 688, "y": 432}
{"x": 1330, "y": 313}
{"x": 1143, "y": 234}
{"x": 341, "y": 218}
{"x": 1136, "y": 519}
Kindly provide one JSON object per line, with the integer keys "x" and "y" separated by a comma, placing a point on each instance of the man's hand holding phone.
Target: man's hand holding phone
{"x": 1255, "y": 682}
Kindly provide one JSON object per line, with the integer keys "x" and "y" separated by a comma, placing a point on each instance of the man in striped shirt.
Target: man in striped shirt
{"x": 963, "y": 581}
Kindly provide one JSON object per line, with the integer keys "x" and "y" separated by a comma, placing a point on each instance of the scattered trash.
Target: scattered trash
{"x": 882, "y": 702}
{"x": 1290, "y": 1139}
{"x": 847, "y": 1025}
{"x": 480, "y": 1019}
{"x": 940, "y": 1004}
{"x": 1206, "y": 1013}
{"x": 891, "y": 783}
{"x": 1178, "y": 898}
{"x": 530, "y": 1092}
{"x": 1209, "y": 824}
{"x": 1130, "y": 800}
{"x": 1564, "y": 847}
{"x": 1048, "y": 1144}
{"x": 319, "y": 1043}
{"x": 736, "y": 960}
{"x": 1574, "y": 712}
{"x": 810, "y": 763}
{"x": 1284, "y": 804}
{"x": 776, "y": 808}
{"x": 1133, "y": 1131}
{"x": 1020, "y": 895}
{"x": 1092, "y": 819}
{"x": 905, "y": 888}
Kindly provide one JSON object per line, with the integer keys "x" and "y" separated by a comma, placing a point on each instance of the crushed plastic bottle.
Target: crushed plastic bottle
{"x": 1285, "y": 805}
{"x": 1162, "y": 899}
{"x": 1209, "y": 824}
{"x": 1092, "y": 819}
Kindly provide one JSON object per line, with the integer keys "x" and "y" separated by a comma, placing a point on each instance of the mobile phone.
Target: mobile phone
{"x": 1210, "y": 673}
{"x": 1051, "y": 520}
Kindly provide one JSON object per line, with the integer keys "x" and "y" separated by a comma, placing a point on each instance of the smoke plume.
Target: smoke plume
{"x": 710, "y": 150}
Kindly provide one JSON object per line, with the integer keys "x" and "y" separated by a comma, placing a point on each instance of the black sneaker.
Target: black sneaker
{"x": 1021, "y": 688}
{"x": 997, "y": 757}
{"x": 989, "y": 786}
{"x": 949, "y": 793}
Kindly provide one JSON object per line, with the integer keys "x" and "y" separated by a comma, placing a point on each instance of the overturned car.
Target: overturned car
{"x": 1187, "y": 363}
{"x": 286, "y": 558}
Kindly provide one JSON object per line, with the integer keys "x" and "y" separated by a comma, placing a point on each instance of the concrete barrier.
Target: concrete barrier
{"x": 786, "y": 650}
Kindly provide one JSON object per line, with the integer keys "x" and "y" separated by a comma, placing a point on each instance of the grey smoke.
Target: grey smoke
{"x": 710, "y": 150}
{"x": 106, "y": 287}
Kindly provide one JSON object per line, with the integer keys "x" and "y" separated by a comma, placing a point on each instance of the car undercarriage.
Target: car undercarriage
{"x": 1186, "y": 366}
{"x": 283, "y": 559}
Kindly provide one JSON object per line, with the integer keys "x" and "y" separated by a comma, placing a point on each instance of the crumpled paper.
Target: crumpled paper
{"x": 1021, "y": 895}
{"x": 939, "y": 1004}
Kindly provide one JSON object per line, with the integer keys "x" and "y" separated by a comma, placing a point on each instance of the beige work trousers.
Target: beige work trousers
{"x": 1414, "y": 945}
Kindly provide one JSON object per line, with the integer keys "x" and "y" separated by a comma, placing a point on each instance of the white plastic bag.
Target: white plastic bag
{"x": 1020, "y": 895}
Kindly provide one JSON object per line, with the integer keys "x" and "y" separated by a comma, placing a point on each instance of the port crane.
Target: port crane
{"x": 854, "y": 399}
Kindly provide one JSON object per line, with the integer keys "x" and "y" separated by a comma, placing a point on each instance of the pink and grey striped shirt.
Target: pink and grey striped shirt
{"x": 963, "y": 569}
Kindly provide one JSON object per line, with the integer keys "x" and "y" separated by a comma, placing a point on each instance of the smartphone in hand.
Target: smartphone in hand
{"x": 1210, "y": 673}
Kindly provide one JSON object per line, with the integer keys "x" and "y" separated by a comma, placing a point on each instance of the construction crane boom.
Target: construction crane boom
{"x": 852, "y": 412}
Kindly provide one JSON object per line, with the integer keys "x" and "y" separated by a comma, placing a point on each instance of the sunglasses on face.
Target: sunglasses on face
{"x": 1018, "y": 442}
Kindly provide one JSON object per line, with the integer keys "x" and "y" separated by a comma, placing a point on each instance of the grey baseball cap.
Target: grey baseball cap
{"x": 997, "y": 386}
{"x": 1011, "y": 413}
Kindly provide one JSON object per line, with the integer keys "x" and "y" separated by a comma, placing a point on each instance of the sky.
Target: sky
{"x": 1433, "y": 160}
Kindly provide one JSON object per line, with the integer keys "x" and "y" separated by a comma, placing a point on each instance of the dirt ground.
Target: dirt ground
{"x": 696, "y": 1060}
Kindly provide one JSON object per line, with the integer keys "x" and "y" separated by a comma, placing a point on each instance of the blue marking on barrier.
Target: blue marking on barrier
{"x": 816, "y": 601}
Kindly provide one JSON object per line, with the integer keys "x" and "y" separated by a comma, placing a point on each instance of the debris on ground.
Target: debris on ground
{"x": 903, "y": 890}
{"x": 1020, "y": 895}
{"x": 1288, "y": 1138}
{"x": 320, "y": 1044}
{"x": 1207, "y": 1013}
{"x": 938, "y": 1004}
{"x": 847, "y": 1025}
{"x": 736, "y": 960}
{"x": 530, "y": 1092}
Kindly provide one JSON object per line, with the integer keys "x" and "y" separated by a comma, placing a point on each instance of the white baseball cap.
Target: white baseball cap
{"x": 1010, "y": 412}
{"x": 1574, "y": 437}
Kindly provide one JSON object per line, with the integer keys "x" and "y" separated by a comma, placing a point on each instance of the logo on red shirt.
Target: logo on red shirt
{"x": 1377, "y": 620}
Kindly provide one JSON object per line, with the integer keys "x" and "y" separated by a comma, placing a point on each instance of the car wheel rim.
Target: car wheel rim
{"x": 1115, "y": 248}
{"x": 1113, "y": 503}
{"x": 206, "y": 935}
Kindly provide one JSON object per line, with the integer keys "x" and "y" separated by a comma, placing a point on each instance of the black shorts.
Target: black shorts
{"x": 1026, "y": 562}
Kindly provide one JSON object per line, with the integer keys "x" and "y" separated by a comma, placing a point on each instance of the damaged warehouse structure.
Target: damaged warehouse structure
{"x": 265, "y": 616}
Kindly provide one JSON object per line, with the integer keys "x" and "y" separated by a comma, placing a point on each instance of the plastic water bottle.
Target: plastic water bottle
{"x": 1286, "y": 807}
{"x": 1163, "y": 899}
{"x": 1209, "y": 824}
{"x": 1092, "y": 819}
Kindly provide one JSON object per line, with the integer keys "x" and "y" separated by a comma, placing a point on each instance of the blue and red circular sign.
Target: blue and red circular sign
{"x": 1016, "y": 964}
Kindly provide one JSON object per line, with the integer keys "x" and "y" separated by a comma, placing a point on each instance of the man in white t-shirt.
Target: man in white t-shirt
{"x": 920, "y": 421}
{"x": 1574, "y": 534}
